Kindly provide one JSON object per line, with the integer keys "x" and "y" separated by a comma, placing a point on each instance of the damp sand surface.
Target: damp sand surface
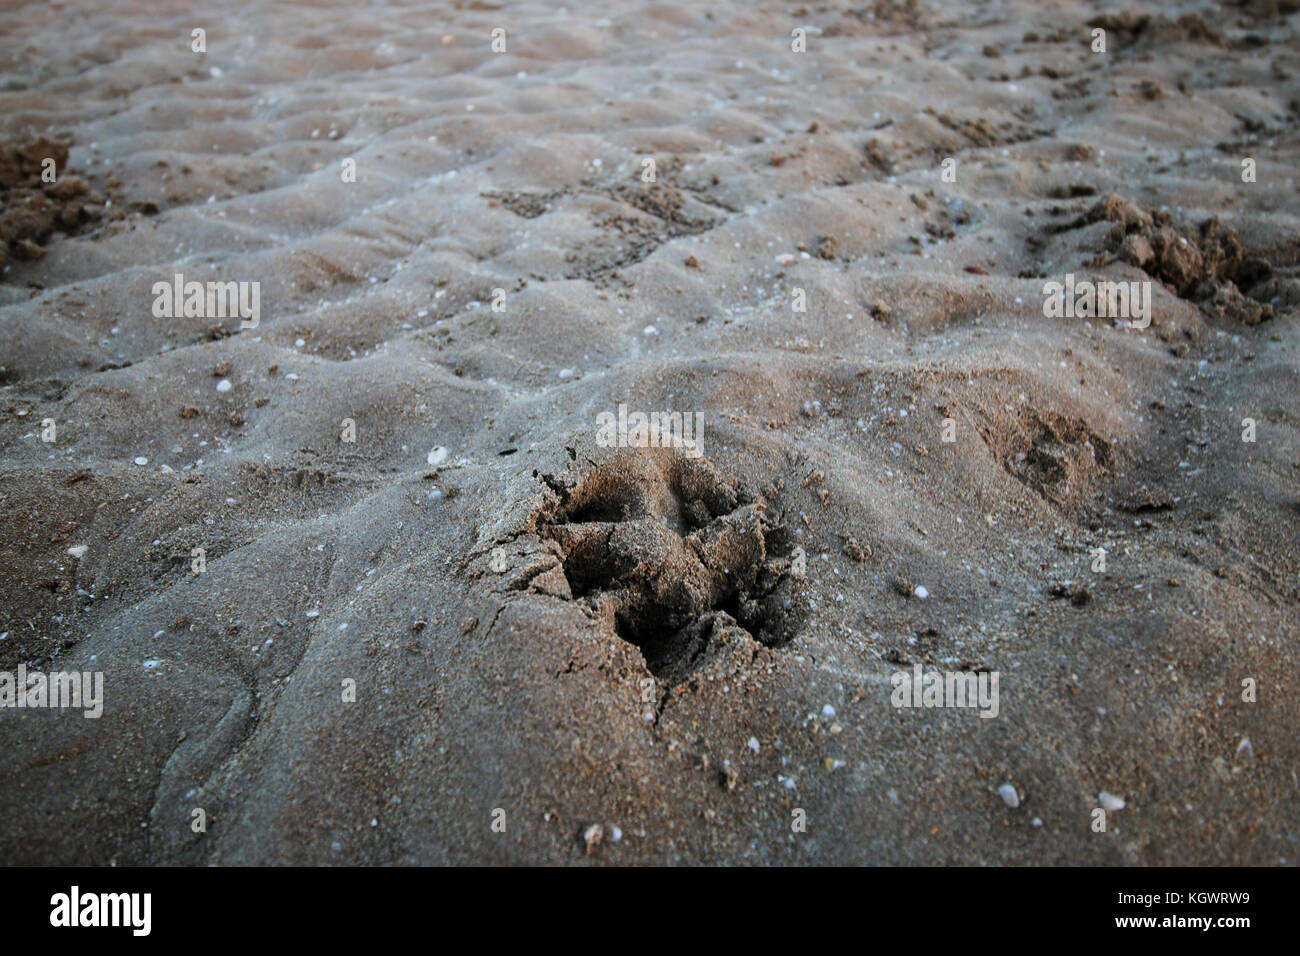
{"x": 638, "y": 654}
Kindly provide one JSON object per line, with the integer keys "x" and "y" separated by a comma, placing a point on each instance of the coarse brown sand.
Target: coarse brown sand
{"x": 436, "y": 619}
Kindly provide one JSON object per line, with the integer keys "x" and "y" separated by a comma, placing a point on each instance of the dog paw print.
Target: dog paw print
{"x": 668, "y": 553}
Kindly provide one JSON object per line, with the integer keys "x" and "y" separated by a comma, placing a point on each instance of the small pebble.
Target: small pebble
{"x": 437, "y": 456}
{"x": 1009, "y": 796}
{"x": 753, "y": 744}
{"x": 78, "y": 550}
{"x": 1110, "y": 802}
{"x": 921, "y": 592}
{"x": 142, "y": 460}
{"x": 223, "y": 385}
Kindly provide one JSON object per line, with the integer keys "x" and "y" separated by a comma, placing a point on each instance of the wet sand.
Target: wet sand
{"x": 439, "y": 619}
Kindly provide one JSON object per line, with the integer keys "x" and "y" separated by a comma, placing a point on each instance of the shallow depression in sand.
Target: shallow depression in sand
{"x": 664, "y": 550}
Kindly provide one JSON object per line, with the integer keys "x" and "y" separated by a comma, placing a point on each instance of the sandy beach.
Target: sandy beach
{"x": 486, "y": 433}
